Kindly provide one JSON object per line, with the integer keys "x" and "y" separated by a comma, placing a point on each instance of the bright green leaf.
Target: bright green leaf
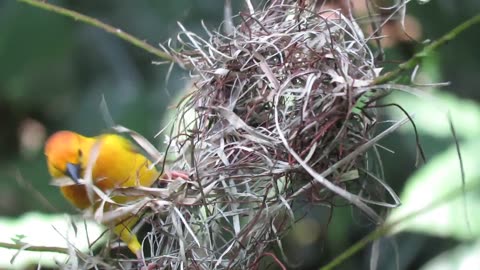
{"x": 433, "y": 182}
{"x": 43, "y": 230}
{"x": 431, "y": 118}
{"x": 463, "y": 257}
{"x": 431, "y": 112}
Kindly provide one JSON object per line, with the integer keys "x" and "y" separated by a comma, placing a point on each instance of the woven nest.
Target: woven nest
{"x": 277, "y": 114}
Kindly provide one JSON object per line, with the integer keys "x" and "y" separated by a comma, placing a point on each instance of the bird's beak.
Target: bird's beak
{"x": 73, "y": 171}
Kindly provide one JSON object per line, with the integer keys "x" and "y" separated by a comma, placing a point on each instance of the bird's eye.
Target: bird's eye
{"x": 80, "y": 153}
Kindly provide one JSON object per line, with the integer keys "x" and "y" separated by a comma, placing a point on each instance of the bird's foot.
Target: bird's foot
{"x": 150, "y": 266}
{"x": 142, "y": 264}
{"x": 172, "y": 175}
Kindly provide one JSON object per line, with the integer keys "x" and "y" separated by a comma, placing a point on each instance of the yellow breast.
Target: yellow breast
{"x": 117, "y": 164}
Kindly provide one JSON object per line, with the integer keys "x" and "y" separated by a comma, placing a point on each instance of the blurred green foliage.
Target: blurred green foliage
{"x": 55, "y": 71}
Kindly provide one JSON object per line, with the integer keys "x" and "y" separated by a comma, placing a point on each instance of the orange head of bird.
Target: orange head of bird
{"x": 64, "y": 155}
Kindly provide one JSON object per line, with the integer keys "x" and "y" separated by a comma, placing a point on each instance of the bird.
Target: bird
{"x": 118, "y": 164}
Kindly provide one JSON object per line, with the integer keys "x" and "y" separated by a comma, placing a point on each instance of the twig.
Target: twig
{"x": 412, "y": 62}
{"x": 24, "y": 246}
{"x": 101, "y": 25}
{"x": 390, "y": 226}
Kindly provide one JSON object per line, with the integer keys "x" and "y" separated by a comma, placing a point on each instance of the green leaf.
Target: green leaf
{"x": 433, "y": 183}
{"x": 431, "y": 118}
{"x": 43, "y": 230}
{"x": 465, "y": 256}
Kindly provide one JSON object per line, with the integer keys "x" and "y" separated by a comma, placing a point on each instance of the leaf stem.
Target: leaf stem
{"x": 412, "y": 62}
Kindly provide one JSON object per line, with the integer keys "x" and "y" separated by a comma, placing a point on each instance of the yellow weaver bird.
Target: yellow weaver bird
{"x": 118, "y": 164}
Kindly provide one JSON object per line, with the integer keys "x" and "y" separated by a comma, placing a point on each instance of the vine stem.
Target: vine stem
{"x": 101, "y": 25}
{"x": 391, "y": 227}
{"x": 412, "y": 62}
{"x": 24, "y": 246}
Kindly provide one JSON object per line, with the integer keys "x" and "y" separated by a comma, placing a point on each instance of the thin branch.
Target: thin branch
{"x": 391, "y": 226}
{"x": 98, "y": 24}
{"x": 412, "y": 62}
{"x": 25, "y": 246}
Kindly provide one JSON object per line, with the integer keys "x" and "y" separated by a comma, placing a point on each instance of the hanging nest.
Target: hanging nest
{"x": 279, "y": 113}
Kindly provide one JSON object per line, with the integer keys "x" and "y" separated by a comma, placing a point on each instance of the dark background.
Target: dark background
{"x": 54, "y": 72}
